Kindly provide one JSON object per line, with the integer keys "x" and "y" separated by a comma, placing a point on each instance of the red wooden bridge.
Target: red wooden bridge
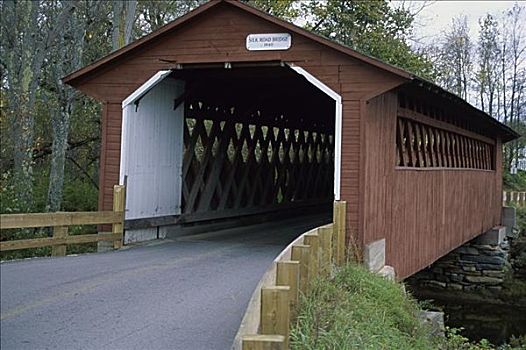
{"x": 206, "y": 126}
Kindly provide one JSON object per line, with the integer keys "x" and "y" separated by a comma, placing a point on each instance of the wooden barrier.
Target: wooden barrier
{"x": 60, "y": 222}
{"x": 274, "y": 304}
{"x": 514, "y": 198}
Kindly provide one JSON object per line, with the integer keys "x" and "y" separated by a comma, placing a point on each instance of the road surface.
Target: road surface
{"x": 189, "y": 293}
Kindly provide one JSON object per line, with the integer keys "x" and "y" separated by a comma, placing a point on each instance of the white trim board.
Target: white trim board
{"x": 337, "y": 127}
{"x": 144, "y": 88}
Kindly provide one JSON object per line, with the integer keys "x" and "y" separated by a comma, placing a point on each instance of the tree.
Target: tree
{"x": 514, "y": 76}
{"x": 372, "y": 27}
{"x": 123, "y": 21}
{"x": 153, "y": 14}
{"x": 285, "y": 9}
{"x": 27, "y": 34}
{"x": 488, "y": 55}
{"x": 454, "y": 59}
{"x": 66, "y": 56}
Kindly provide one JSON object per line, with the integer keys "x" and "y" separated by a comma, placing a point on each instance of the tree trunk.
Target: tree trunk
{"x": 123, "y": 20}
{"x": 60, "y": 125}
{"x": 23, "y": 126}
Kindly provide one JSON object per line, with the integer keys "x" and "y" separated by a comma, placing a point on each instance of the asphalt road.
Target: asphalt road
{"x": 188, "y": 293}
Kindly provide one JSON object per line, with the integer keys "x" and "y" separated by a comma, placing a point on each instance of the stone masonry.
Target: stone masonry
{"x": 480, "y": 264}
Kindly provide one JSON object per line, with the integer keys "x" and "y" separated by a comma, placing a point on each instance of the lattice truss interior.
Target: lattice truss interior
{"x": 233, "y": 165}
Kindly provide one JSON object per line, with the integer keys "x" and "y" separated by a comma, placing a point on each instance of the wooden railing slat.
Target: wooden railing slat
{"x": 12, "y": 221}
{"x": 54, "y": 241}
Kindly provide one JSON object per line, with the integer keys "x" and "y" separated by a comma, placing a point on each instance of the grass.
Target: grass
{"x": 359, "y": 310}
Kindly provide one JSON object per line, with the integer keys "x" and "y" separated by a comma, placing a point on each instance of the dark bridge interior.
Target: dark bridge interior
{"x": 256, "y": 140}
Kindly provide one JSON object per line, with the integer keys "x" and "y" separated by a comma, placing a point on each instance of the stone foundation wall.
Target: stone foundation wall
{"x": 477, "y": 265}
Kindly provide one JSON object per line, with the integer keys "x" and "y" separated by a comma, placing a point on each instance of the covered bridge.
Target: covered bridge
{"x": 230, "y": 112}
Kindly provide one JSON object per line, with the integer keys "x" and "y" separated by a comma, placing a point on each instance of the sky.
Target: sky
{"x": 437, "y": 16}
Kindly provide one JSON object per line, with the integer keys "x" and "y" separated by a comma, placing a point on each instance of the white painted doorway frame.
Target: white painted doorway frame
{"x": 337, "y": 127}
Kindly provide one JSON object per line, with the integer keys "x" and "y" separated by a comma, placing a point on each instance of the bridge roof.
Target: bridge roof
{"x": 74, "y": 78}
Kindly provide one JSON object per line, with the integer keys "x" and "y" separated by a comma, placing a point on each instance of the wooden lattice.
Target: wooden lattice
{"x": 420, "y": 145}
{"x": 243, "y": 167}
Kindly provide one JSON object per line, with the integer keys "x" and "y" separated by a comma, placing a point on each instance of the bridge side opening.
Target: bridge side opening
{"x": 228, "y": 145}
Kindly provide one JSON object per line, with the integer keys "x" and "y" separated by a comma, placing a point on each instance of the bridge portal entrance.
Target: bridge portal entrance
{"x": 206, "y": 143}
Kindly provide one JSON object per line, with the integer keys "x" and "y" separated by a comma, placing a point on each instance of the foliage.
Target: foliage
{"x": 456, "y": 341}
{"x": 515, "y": 281}
{"x": 153, "y": 14}
{"x": 285, "y": 9}
{"x": 521, "y": 220}
{"x": 514, "y": 182}
{"x": 374, "y": 28}
{"x": 359, "y": 310}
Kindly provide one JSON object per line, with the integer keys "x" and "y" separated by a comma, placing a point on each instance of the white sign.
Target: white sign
{"x": 271, "y": 41}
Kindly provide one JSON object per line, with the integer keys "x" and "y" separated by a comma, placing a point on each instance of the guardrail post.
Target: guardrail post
{"x": 314, "y": 255}
{"x": 264, "y": 342}
{"x": 339, "y": 213}
{"x": 300, "y": 253}
{"x": 275, "y": 311}
{"x": 59, "y": 232}
{"x": 325, "y": 240}
{"x": 287, "y": 274}
{"x": 119, "y": 201}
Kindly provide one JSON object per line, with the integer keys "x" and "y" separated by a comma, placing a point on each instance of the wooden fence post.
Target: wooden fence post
{"x": 119, "y": 202}
{"x": 288, "y": 274}
{"x": 325, "y": 240}
{"x": 300, "y": 253}
{"x": 275, "y": 311}
{"x": 263, "y": 342}
{"x": 314, "y": 254}
{"x": 59, "y": 232}
{"x": 339, "y": 213}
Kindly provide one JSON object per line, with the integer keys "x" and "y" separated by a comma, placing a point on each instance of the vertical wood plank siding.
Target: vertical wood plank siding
{"x": 220, "y": 37}
{"x": 423, "y": 214}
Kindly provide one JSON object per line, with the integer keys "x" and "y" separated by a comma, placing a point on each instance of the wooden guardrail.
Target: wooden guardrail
{"x": 274, "y": 303}
{"x": 516, "y": 198}
{"x": 60, "y": 221}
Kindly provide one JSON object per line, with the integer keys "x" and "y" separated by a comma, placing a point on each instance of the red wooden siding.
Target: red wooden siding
{"x": 110, "y": 153}
{"x": 422, "y": 213}
{"x": 220, "y": 37}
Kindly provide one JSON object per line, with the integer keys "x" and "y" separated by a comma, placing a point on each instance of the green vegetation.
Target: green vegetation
{"x": 360, "y": 310}
{"x": 515, "y": 283}
{"x": 514, "y": 182}
{"x": 79, "y": 195}
{"x": 375, "y": 28}
{"x": 455, "y": 341}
